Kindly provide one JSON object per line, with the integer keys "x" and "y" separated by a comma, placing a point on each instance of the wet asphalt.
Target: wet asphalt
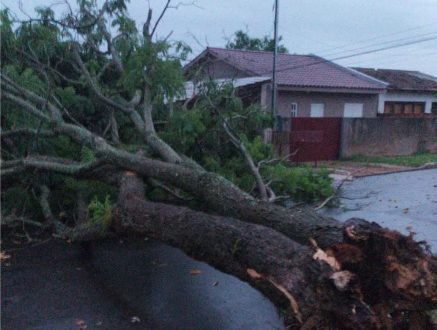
{"x": 148, "y": 285}
{"x": 405, "y": 201}
{"x": 51, "y": 286}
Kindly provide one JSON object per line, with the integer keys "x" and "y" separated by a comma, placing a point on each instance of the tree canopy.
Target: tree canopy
{"x": 242, "y": 40}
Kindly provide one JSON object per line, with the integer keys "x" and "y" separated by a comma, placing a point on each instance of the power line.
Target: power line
{"x": 393, "y": 63}
{"x": 434, "y": 33}
{"x": 357, "y": 54}
{"x": 376, "y": 38}
{"x": 394, "y": 58}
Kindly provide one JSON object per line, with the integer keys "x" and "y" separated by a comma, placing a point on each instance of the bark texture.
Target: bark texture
{"x": 300, "y": 224}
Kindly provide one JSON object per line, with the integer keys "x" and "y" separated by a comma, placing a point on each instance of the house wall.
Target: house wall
{"x": 387, "y": 136}
{"x": 427, "y": 98}
{"x": 334, "y": 103}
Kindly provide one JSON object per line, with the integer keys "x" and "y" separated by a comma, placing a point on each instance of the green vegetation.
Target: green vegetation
{"x": 242, "y": 40}
{"x": 199, "y": 134}
{"x": 28, "y": 48}
{"x": 303, "y": 183}
{"x": 100, "y": 212}
{"x": 415, "y": 160}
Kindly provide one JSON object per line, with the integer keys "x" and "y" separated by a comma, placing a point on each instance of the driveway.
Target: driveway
{"x": 405, "y": 201}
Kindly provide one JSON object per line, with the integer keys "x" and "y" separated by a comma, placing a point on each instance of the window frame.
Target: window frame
{"x": 401, "y": 107}
{"x": 293, "y": 109}
{"x": 352, "y": 106}
{"x": 317, "y": 115}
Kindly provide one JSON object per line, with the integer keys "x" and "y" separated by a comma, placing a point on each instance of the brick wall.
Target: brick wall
{"x": 385, "y": 136}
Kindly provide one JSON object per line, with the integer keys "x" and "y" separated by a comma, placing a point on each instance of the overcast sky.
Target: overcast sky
{"x": 328, "y": 28}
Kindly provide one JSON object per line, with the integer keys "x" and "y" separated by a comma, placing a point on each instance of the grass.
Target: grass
{"x": 415, "y": 160}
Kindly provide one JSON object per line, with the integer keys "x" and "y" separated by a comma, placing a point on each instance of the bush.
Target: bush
{"x": 301, "y": 183}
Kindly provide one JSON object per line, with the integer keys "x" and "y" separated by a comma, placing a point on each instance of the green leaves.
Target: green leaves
{"x": 100, "y": 213}
{"x": 152, "y": 64}
{"x": 198, "y": 133}
{"x": 184, "y": 129}
{"x": 242, "y": 40}
{"x": 87, "y": 155}
{"x": 258, "y": 149}
{"x": 302, "y": 183}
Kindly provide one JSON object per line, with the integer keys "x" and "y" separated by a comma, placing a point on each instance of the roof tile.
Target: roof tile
{"x": 297, "y": 70}
{"x": 402, "y": 79}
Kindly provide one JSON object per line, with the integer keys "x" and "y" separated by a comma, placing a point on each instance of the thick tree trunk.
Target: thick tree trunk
{"x": 336, "y": 288}
{"x": 220, "y": 195}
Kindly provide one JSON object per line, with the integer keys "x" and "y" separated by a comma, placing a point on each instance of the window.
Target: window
{"x": 434, "y": 108}
{"x": 317, "y": 109}
{"x": 353, "y": 110}
{"x": 404, "y": 108}
{"x": 293, "y": 112}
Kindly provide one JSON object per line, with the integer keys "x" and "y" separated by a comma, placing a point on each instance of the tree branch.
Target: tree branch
{"x": 26, "y": 132}
{"x": 47, "y": 211}
{"x": 262, "y": 189}
{"x": 54, "y": 164}
{"x": 29, "y": 108}
{"x": 160, "y": 17}
{"x": 115, "y": 57}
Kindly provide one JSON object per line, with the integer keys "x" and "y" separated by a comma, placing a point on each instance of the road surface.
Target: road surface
{"x": 405, "y": 201}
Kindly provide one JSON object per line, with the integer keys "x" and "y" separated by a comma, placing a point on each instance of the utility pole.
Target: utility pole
{"x": 275, "y": 54}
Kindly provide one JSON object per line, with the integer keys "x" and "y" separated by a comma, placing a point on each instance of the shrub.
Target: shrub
{"x": 301, "y": 183}
{"x": 100, "y": 213}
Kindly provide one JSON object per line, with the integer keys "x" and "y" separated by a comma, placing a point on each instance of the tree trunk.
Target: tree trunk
{"x": 220, "y": 195}
{"x": 335, "y": 288}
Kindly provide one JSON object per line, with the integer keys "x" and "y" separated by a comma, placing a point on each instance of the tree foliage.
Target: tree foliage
{"x": 242, "y": 40}
{"x": 39, "y": 55}
{"x": 199, "y": 134}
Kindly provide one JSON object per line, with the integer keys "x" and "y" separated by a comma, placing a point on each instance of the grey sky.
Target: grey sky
{"x": 329, "y": 28}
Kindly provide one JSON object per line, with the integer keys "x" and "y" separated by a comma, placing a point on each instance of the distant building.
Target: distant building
{"x": 409, "y": 93}
{"x": 310, "y": 86}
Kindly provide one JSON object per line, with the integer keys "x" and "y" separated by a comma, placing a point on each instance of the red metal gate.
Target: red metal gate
{"x": 314, "y": 139}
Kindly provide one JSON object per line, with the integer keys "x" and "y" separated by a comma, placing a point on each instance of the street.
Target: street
{"x": 405, "y": 201}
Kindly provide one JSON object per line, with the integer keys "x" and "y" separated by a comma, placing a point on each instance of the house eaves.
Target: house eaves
{"x": 210, "y": 51}
{"x": 324, "y": 89}
{"x": 191, "y": 89}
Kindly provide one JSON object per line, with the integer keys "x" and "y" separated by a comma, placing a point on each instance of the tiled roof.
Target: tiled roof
{"x": 402, "y": 79}
{"x": 295, "y": 70}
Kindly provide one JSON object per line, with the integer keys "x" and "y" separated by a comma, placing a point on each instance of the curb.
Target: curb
{"x": 428, "y": 166}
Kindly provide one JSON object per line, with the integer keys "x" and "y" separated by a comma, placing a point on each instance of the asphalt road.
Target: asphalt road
{"x": 51, "y": 286}
{"x": 405, "y": 201}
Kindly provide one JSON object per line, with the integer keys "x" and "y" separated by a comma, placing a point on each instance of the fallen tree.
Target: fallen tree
{"x": 323, "y": 272}
{"x": 337, "y": 286}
